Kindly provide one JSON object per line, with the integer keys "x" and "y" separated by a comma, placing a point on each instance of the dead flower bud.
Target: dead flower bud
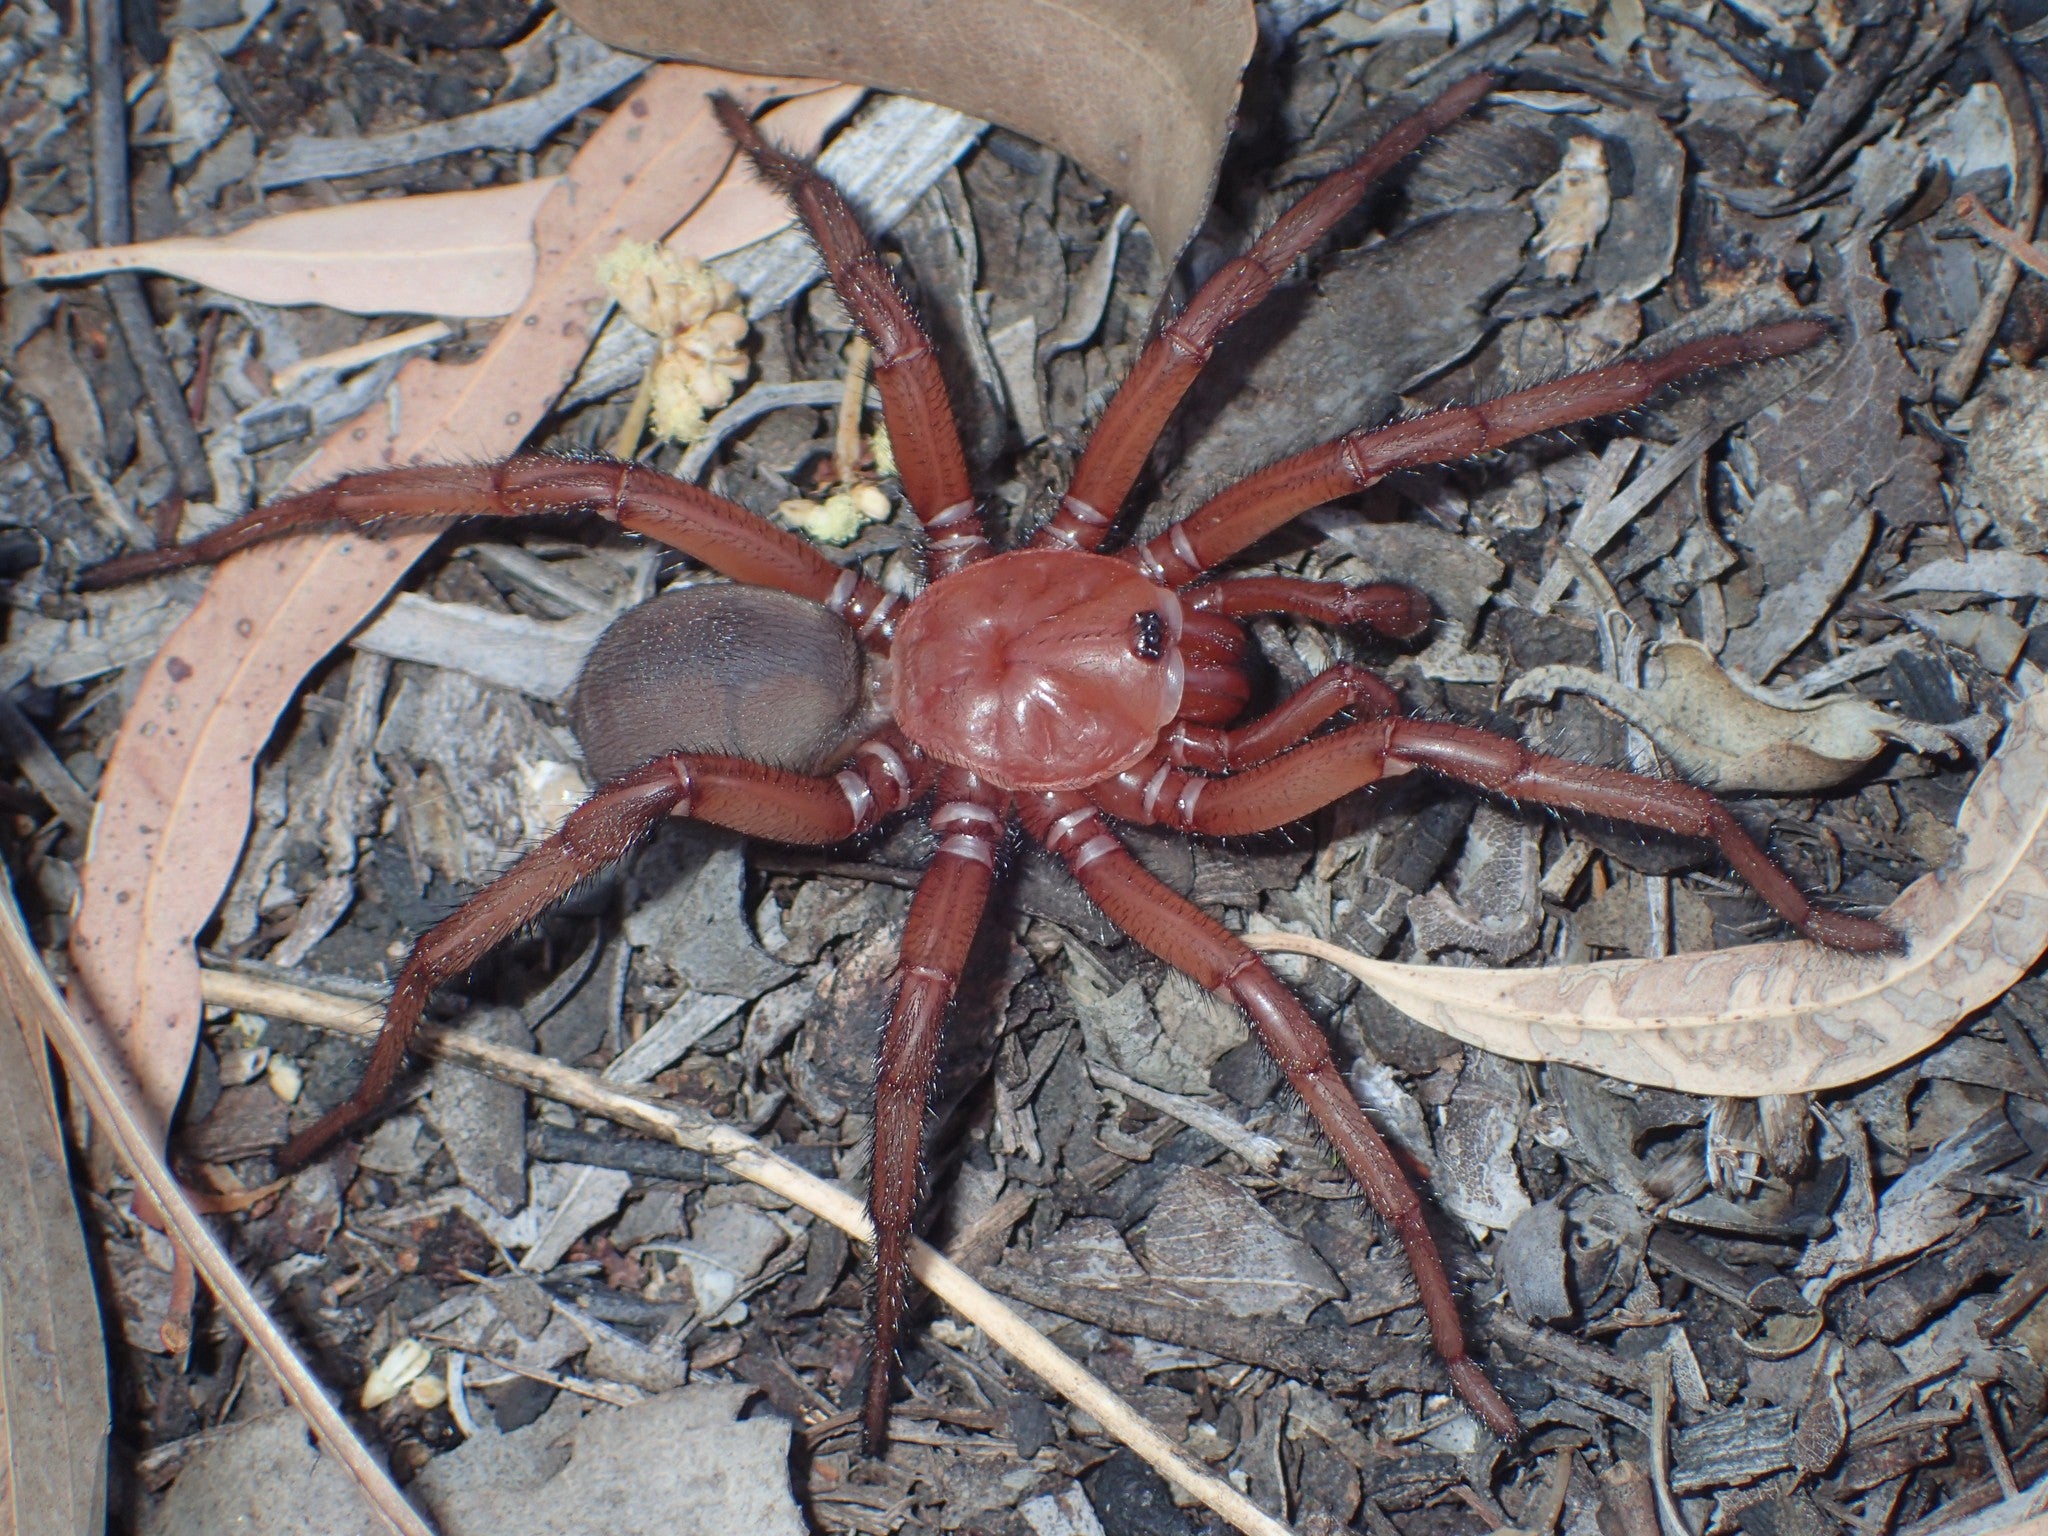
{"x": 839, "y": 518}
{"x": 695, "y": 316}
{"x": 1573, "y": 206}
{"x": 395, "y": 1372}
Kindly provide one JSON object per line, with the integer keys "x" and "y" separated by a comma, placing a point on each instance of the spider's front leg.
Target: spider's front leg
{"x": 721, "y": 533}
{"x": 944, "y": 916}
{"x": 1257, "y": 505}
{"x": 1192, "y": 942}
{"x": 1209, "y": 749}
{"x": 885, "y": 773}
{"x": 1130, "y": 426}
{"x": 922, "y": 432}
{"x": 1385, "y": 607}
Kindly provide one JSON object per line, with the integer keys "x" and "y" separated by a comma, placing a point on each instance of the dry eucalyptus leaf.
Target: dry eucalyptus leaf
{"x": 1726, "y": 738}
{"x": 1139, "y": 92}
{"x": 53, "y": 1369}
{"x": 1210, "y": 1240}
{"x": 445, "y": 253}
{"x": 1775, "y": 1018}
{"x": 462, "y": 254}
{"x": 1573, "y": 206}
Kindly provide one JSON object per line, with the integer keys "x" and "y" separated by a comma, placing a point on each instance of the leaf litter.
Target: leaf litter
{"x": 1834, "y": 564}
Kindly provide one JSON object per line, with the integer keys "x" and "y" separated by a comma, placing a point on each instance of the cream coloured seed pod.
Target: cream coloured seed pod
{"x": 694, "y": 315}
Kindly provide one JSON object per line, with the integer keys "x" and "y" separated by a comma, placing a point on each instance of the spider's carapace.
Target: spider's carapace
{"x": 1040, "y": 669}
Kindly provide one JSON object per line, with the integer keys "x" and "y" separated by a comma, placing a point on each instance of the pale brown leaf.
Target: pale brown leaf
{"x": 174, "y": 800}
{"x": 446, "y": 253}
{"x": 53, "y": 1370}
{"x": 1775, "y": 1018}
{"x": 463, "y": 254}
{"x": 1139, "y": 92}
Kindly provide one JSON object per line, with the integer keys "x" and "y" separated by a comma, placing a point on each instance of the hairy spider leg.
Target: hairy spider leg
{"x": 1194, "y": 943}
{"x": 722, "y": 534}
{"x": 1257, "y": 505}
{"x": 922, "y": 433}
{"x": 884, "y": 773}
{"x": 969, "y": 816}
{"x": 1288, "y": 787}
{"x": 1123, "y": 439}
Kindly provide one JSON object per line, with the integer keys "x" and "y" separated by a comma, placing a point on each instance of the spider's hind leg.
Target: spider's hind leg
{"x": 1195, "y": 944}
{"x": 937, "y": 936}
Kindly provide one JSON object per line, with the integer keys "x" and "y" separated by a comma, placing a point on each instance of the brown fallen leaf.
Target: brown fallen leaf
{"x": 1774, "y": 1018}
{"x": 53, "y": 1368}
{"x": 462, "y": 254}
{"x": 174, "y": 800}
{"x": 1139, "y": 92}
{"x": 1731, "y": 739}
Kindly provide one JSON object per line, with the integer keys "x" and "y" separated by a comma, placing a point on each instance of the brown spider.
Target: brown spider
{"x": 1052, "y": 686}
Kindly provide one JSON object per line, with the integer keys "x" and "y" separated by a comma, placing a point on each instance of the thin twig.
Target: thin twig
{"x": 1978, "y": 217}
{"x": 618, "y": 1397}
{"x": 113, "y": 225}
{"x": 1952, "y": 385}
{"x": 1659, "y": 1365}
{"x": 755, "y": 403}
{"x": 846, "y": 439}
{"x": 114, "y": 1100}
{"x": 1994, "y": 1448}
{"x": 43, "y": 768}
{"x": 626, "y": 441}
{"x": 740, "y": 1153}
{"x": 1258, "y": 1151}
{"x": 1547, "y": 1508}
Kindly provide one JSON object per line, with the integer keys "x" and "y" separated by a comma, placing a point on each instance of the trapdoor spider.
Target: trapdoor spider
{"x": 1053, "y": 687}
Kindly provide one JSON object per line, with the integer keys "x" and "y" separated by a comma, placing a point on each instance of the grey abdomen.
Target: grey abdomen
{"x": 737, "y": 671}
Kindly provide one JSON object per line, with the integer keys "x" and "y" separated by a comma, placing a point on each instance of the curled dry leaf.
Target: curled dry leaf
{"x": 1573, "y": 205}
{"x": 462, "y": 254}
{"x": 1987, "y": 573}
{"x": 1775, "y": 1018}
{"x": 1732, "y": 739}
{"x": 1139, "y": 92}
{"x": 174, "y": 800}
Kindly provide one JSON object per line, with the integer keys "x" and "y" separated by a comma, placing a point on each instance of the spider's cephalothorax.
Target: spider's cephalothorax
{"x": 1057, "y": 688}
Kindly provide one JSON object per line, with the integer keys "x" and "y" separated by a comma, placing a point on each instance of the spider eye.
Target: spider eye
{"x": 1149, "y": 641}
